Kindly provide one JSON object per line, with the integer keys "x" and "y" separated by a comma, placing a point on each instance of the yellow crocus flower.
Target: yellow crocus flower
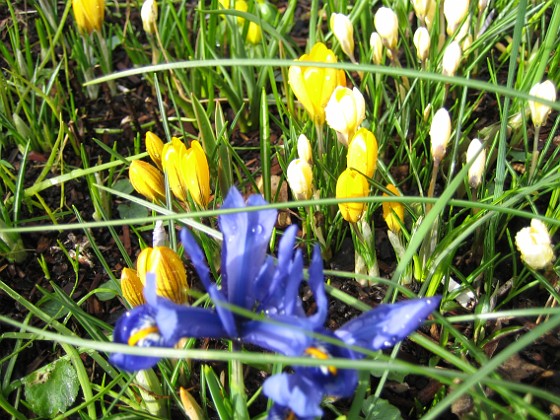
{"x": 351, "y": 184}
{"x": 393, "y": 211}
{"x": 197, "y": 174}
{"x": 147, "y": 180}
{"x": 132, "y": 287}
{"x": 362, "y": 152}
{"x": 313, "y": 86}
{"x": 173, "y": 158}
{"x": 89, "y": 14}
{"x": 154, "y": 147}
{"x": 171, "y": 277}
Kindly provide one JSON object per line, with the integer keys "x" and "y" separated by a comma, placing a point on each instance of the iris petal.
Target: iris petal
{"x": 386, "y": 325}
{"x": 199, "y": 262}
{"x": 295, "y": 392}
{"x": 246, "y": 238}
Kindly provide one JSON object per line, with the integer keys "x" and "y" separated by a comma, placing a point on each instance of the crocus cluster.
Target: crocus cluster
{"x": 269, "y": 289}
{"x": 186, "y": 168}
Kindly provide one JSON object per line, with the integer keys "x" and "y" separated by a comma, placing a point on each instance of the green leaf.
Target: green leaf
{"x": 52, "y": 388}
{"x": 131, "y": 210}
{"x": 107, "y": 291}
{"x": 375, "y": 408}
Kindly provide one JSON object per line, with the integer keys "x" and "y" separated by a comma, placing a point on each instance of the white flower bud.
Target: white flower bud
{"x": 376, "y": 47}
{"x": 421, "y": 8}
{"x": 149, "y": 15}
{"x": 304, "y": 149}
{"x": 159, "y": 235}
{"x": 482, "y": 5}
{"x": 344, "y": 32}
{"x": 451, "y": 59}
{"x": 345, "y": 111}
{"x": 534, "y": 245}
{"x": 539, "y": 112}
{"x": 422, "y": 43}
{"x": 455, "y": 11}
{"x": 440, "y": 131}
{"x": 478, "y": 162}
{"x": 300, "y": 179}
{"x": 387, "y": 25}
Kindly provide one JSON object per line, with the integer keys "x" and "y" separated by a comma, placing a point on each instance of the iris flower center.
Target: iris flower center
{"x": 141, "y": 334}
{"x": 322, "y": 354}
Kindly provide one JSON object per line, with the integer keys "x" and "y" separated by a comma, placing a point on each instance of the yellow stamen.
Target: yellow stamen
{"x": 139, "y": 335}
{"x": 320, "y": 354}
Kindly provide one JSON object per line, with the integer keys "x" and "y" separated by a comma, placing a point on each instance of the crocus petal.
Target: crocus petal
{"x": 199, "y": 262}
{"x": 246, "y": 238}
{"x": 295, "y": 392}
{"x": 386, "y": 325}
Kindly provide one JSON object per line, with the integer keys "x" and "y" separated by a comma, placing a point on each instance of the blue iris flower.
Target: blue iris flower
{"x": 254, "y": 281}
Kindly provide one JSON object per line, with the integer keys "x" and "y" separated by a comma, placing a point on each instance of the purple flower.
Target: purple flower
{"x": 376, "y": 329}
{"x": 255, "y": 282}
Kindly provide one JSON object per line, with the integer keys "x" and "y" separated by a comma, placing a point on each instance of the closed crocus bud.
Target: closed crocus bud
{"x": 451, "y": 59}
{"x": 534, "y": 245}
{"x": 422, "y": 43}
{"x": 455, "y": 11}
{"x": 344, "y": 32}
{"x": 173, "y": 161}
{"x": 482, "y": 5}
{"x": 154, "y": 147}
{"x": 171, "y": 277}
{"x": 539, "y": 112}
{"x": 300, "y": 179}
{"x": 304, "y": 149}
{"x": 440, "y": 131}
{"x": 351, "y": 184}
{"x": 147, "y": 180}
{"x": 313, "y": 86}
{"x": 376, "y": 45}
{"x": 149, "y": 15}
{"x": 197, "y": 174}
{"x": 478, "y": 162}
{"x": 393, "y": 211}
{"x": 421, "y": 8}
{"x": 254, "y": 33}
{"x": 89, "y": 14}
{"x": 345, "y": 112}
{"x": 362, "y": 152}
{"x": 387, "y": 25}
{"x": 132, "y": 288}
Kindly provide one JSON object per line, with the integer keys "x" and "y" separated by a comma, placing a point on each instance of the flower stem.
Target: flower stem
{"x": 535, "y": 155}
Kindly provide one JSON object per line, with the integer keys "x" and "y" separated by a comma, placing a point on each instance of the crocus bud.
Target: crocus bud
{"x": 89, "y": 14}
{"x": 197, "y": 174}
{"x": 344, "y": 32}
{"x": 300, "y": 179}
{"x": 454, "y": 12}
{"x": 171, "y": 277}
{"x": 534, "y": 245}
{"x": 362, "y": 152}
{"x": 387, "y": 25}
{"x": 422, "y": 43}
{"x": 132, "y": 288}
{"x": 478, "y": 162}
{"x": 147, "y": 180}
{"x": 305, "y": 152}
{"x": 539, "y": 112}
{"x": 421, "y": 8}
{"x": 376, "y": 47}
{"x": 393, "y": 211}
{"x": 313, "y": 86}
{"x": 482, "y": 5}
{"x": 451, "y": 59}
{"x": 440, "y": 131}
{"x": 351, "y": 184}
{"x": 154, "y": 147}
{"x": 254, "y": 33}
{"x": 173, "y": 157}
{"x": 345, "y": 111}
{"x": 149, "y": 15}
